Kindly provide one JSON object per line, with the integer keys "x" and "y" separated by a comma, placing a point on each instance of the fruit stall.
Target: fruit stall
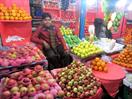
{"x": 97, "y": 35}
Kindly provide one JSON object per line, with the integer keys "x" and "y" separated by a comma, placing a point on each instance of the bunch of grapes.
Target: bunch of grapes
{"x": 64, "y": 4}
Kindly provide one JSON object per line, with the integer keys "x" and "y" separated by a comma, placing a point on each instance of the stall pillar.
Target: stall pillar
{"x": 82, "y": 19}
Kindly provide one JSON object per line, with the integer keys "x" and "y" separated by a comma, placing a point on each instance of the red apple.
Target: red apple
{"x": 6, "y": 94}
{"x": 16, "y": 95}
{"x": 26, "y": 81}
{"x": 11, "y": 83}
{"x": 27, "y": 71}
{"x": 45, "y": 86}
{"x": 38, "y": 68}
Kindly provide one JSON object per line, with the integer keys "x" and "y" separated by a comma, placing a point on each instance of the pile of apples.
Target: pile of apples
{"x": 125, "y": 57}
{"x": 18, "y": 55}
{"x": 30, "y": 84}
{"x": 99, "y": 65}
{"x": 77, "y": 81}
{"x": 85, "y": 49}
{"x": 65, "y": 31}
{"x": 13, "y": 13}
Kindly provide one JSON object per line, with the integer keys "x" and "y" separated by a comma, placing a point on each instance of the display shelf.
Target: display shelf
{"x": 4, "y": 71}
{"x": 15, "y": 21}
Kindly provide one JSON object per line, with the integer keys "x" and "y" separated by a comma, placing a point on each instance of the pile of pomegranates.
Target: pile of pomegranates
{"x": 17, "y": 56}
{"x": 30, "y": 84}
{"x": 77, "y": 81}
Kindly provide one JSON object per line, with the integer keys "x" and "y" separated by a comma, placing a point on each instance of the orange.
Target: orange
{"x": 1, "y": 14}
{"x": 6, "y": 14}
{"x": 105, "y": 69}
{"x": 18, "y": 15}
{"x": 97, "y": 59}
{"x": 20, "y": 18}
{"x": 12, "y": 18}
{"x": 7, "y": 18}
{"x": 16, "y": 18}
{"x": 2, "y": 17}
{"x": 103, "y": 64}
{"x": 100, "y": 68}
{"x": 14, "y": 14}
{"x": 95, "y": 68}
{"x": 98, "y": 64}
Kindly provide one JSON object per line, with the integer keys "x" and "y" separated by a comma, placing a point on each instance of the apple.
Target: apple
{"x": 38, "y": 68}
{"x": 16, "y": 95}
{"x": 42, "y": 73}
{"x": 27, "y": 71}
{"x": 14, "y": 89}
{"x": 31, "y": 91}
{"x": 37, "y": 87}
{"x": 26, "y": 81}
{"x": 15, "y": 75}
{"x": 23, "y": 91}
{"x": 45, "y": 86}
{"x": 11, "y": 83}
{"x": 6, "y": 94}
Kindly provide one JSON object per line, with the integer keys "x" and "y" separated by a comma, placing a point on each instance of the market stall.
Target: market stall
{"x": 94, "y": 35}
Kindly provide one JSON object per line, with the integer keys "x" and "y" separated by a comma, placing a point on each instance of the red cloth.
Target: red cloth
{"x": 111, "y": 80}
{"x": 45, "y": 36}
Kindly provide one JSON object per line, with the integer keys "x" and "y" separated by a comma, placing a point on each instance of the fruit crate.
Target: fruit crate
{"x": 5, "y": 71}
{"x": 87, "y": 58}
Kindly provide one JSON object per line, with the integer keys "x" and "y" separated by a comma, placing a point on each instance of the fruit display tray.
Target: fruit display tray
{"x": 4, "y": 71}
{"x": 98, "y": 95}
{"x": 87, "y": 58}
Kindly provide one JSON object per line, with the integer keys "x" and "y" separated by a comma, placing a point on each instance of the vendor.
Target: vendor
{"x": 48, "y": 38}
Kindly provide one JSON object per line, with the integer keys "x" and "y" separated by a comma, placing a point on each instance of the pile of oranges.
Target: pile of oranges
{"x": 99, "y": 65}
{"x": 125, "y": 57}
{"x": 128, "y": 37}
{"x": 13, "y": 13}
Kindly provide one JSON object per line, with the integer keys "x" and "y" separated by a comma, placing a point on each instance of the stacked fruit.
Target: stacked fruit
{"x": 128, "y": 37}
{"x": 28, "y": 83}
{"x": 65, "y": 31}
{"x": 99, "y": 65}
{"x": 72, "y": 40}
{"x": 16, "y": 56}
{"x": 13, "y": 13}
{"x": 85, "y": 49}
{"x": 115, "y": 21}
{"x": 125, "y": 57}
{"x": 77, "y": 81}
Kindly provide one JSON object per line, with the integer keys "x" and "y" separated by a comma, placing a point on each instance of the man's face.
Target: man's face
{"x": 47, "y": 22}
